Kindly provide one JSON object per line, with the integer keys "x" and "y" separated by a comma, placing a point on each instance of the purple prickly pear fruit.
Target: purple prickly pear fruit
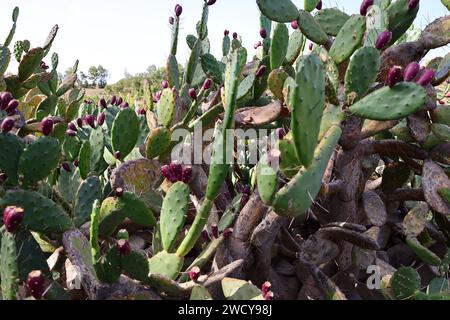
{"x": 227, "y": 232}
{"x": 178, "y": 10}
{"x": 36, "y": 284}
{"x": 171, "y": 20}
{"x": 5, "y": 98}
{"x": 412, "y": 4}
{"x": 177, "y": 170}
{"x": 119, "y": 101}
{"x": 294, "y": 24}
{"x": 411, "y": 71}
{"x": 119, "y": 192}
{"x": 383, "y": 39}
{"x": 215, "y": 230}
{"x": 192, "y": 94}
{"x": 281, "y": 133}
{"x": 207, "y": 84}
{"x": 75, "y": 162}
{"x": 194, "y": 273}
{"x": 90, "y": 120}
{"x": 158, "y": 95}
{"x": 426, "y": 77}
{"x": 80, "y": 122}
{"x": 211, "y": 2}
{"x": 123, "y": 246}
{"x": 117, "y": 155}
{"x": 7, "y": 124}
{"x": 71, "y": 133}
{"x": 12, "y": 106}
{"x": 205, "y": 235}
{"x": 72, "y": 126}
{"x": 124, "y": 105}
{"x": 165, "y": 170}
{"x": 311, "y": 46}
{"x": 101, "y": 118}
{"x": 165, "y": 84}
{"x": 263, "y": 33}
{"x": 319, "y": 5}
{"x": 261, "y": 71}
{"x": 43, "y": 66}
{"x": 66, "y": 167}
{"x": 46, "y": 126}
{"x": 12, "y": 218}
{"x": 102, "y": 103}
{"x": 395, "y": 75}
{"x": 235, "y": 35}
{"x": 187, "y": 174}
{"x": 365, "y": 6}
{"x": 226, "y": 32}
{"x": 142, "y": 112}
{"x": 266, "y": 288}
{"x": 112, "y": 100}
{"x": 269, "y": 296}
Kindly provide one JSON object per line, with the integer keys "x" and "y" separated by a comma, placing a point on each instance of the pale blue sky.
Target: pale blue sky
{"x": 131, "y": 35}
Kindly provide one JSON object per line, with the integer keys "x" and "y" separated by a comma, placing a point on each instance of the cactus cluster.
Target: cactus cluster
{"x": 359, "y": 175}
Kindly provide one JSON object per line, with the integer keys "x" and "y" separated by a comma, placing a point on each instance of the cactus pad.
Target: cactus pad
{"x": 89, "y": 191}
{"x": 278, "y": 10}
{"x": 311, "y": 29}
{"x": 405, "y": 282}
{"x": 125, "y": 132}
{"x": 157, "y": 142}
{"x": 348, "y": 39}
{"x": 12, "y": 148}
{"x": 279, "y": 45}
{"x": 167, "y": 264}
{"x": 331, "y": 20}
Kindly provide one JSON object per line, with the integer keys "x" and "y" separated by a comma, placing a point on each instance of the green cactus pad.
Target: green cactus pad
{"x": 260, "y": 85}
{"x": 361, "y": 73}
{"x": 276, "y": 82}
{"x": 289, "y": 164}
{"x": 400, "y": 18}
{"x": 41, "y": 214}
{"x": 39, "y": 159}
{"x": 111, "y": 215}
{"x": 12, "y": 148}
{"x": 331, "y": 20}
{"x": 278, "y": 10}
{"x": 391, "y": 103}
{"x": 245, "y": 90}
{"x": 296, "y": 42}
{"x": 298, "y": 195}
{"x": 267, "y": 181}
{"x": 200, "y": 293}
{"x": 173, "y": 214}
{"x": 125, "y": 132}
{"x": 236, "y": 289}
{"x": 136, "y": 265}
{"x": 441, "y": 131}
{"x": 332, "y": 116}
{"x": 310, "y": 5}
{"x": 84, "y": 159}
{"x": 89, "y": 191}
{"x": 108, "y": 268}
{"x": 279, "y": 45}
{"x": 445, "y": 193}
{"x": 212, "y": 67}
{"x": 158, "y": 142}
{"x": 308, "y": 101}
{"x": 441, "y": 115}
{"x": 9, "y": 269}
{"x": 226, "y": 44}
{"x": 423, "y": 253}
{"x": 135, "y": 209}
{"x": 5, "y": 57}
{"x": 166, "y": 264}
{"x": 405, "y": 282}
{"x": 68, "y": 183}
{"x": 30, "y": 62}
{"x": 311, "y": 29}
{"x": 68, "y": 83}
{"x": 193, "y": 61}
{"x": 97, "y": 143}
{"x": 174, "y": 38}
{"x": 349, "y": 39}
{"x": 173, "y": 74}
{"x": 165, "y": 109}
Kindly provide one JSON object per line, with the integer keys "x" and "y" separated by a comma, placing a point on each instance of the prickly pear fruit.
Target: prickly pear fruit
{"x": 12, "y": 218}
{"x": 194, "y": 273}
{"x": 46, "y": 126}
{"x": 411, "y": 71}
{"x": 395, "y": 75}
{"x": 426, "y": 77}
{"x": 7, "y": 124}
{"x": 36, "y": 284}
{"x": 384, "y": 38}
{"x": 365, "y": 6}
{"x": 123, "y": 246}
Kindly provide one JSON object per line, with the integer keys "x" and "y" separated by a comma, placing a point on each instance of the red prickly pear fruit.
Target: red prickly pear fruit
{"x": 269, "y": 296}
{"x": 235, "y": 35}
{"x": 36, "y": 284}
{"x": 66, "y": 167}
{"x": 142, "y": 111}
{"x": 411, "y": 71}
{"x": 294, "y": 24}
{"x": 178, "y": 10}
{"x": 125, "y": 105}
{"x": 441, "y": 102}
{"x": 165, "y": 170}
{"x": 12, "y": 218}
{"x": 71, "y": 133}
{"x": 365, "y": 6}
{"x": 165, "y": 84}
{"x": 257, "y": 45}
{"x": 412, "y": 4}
{"x": 311, "y": 46}
{"x": 119, "y": 101}
{"x": 205, "y": 235}
{"x": 176, "y": 170}
{"x": 12, "y": 106}
{"x": 102, "y": 103}
{"x": 263, "y": 33}
{"x": 123, "y": 246}
{"x": 46, "y": 126}
{"x": 319, "y": 5}
{"x": 118, "y": 192}
{"x": 7, "y": 124}
{"x": 215, "y": 230}
{"x": 117, "y": 155}
{"x": 194, "y": 273}
{"x": 171, "y": 20}
{"x": 261, "y": 71}
{"x": 383, "y": 39}
{"x": 426, "y": 77}
{"x": 80, "y": 122}
{"x": 187, "y": 174}
{"x": 227, "y": 232}
{"x": 112, "y": 100}
{"x": 207, "y": 84}
{"x": 75, "y": 162}
{"x": 226, "y": 33}
{"x": 90, "y": 120}
{"x": 72, "y": 126}
{"x": 211, "y": 2}
{"x": 5, "y": 98}
{"x": 395, "y": 75}
{"x": 101, "y": 118}
{"x": 193, "y": 94}
{"x": 266, "y": 288}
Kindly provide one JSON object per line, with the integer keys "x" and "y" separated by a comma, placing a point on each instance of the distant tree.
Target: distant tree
{"x": 98, "y": 76}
